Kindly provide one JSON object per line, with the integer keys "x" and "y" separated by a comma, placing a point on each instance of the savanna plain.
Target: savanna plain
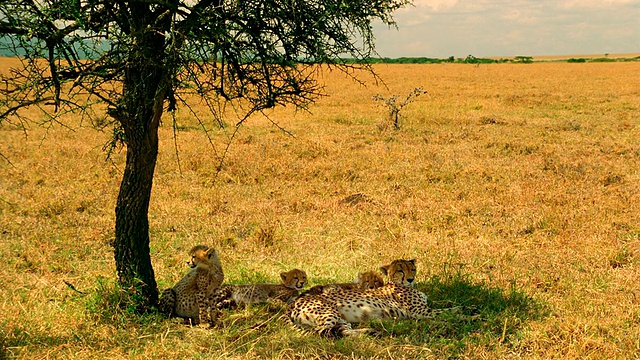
{"x": 515, "y": 186}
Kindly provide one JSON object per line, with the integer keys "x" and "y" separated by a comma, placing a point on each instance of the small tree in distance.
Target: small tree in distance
{"x": 142, "y": 58}
{"x": 394, "y": 106}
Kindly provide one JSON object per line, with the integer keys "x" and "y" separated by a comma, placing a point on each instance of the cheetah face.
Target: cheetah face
{"x": 370, "y": 280}
{"x": 401, "y": 272}
{"x": 192, "y": 261}
{"x": 294, "y": 279}
{"x": 201, "y": 254}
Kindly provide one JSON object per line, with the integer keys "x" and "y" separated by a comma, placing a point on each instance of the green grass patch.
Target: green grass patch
{"x": 465, "y": 313}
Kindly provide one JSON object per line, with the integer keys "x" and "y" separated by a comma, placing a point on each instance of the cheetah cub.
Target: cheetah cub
{"x": 231, "y": 296}
{"x": 401, "y": 272}
{"x": 364, "y": 281}
{"x": 188, "y": 299}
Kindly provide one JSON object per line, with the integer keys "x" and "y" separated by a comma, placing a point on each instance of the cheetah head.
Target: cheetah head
{"x": 401, "y": 272}
{"x": 294, "y": 279}
{"x": 202, "y": 255}
{"x": 370, "y": 280}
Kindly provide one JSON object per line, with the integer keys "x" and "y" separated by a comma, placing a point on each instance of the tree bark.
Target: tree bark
{"x": 131, "y": 245}
{"x": 144, "y": 88}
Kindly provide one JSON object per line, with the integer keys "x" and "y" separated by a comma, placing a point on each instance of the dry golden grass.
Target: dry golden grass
{"x": 515, "y": 186}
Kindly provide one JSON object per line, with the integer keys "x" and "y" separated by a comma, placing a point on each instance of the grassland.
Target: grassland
{"x": 517, "y": 188}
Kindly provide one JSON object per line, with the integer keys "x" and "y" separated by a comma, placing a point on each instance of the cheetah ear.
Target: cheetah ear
{"x": 212, "y": 253}
{"x": 283, "y": 276}
{"x": 413, "y": 261}
{"x": 383, "y": 269}
{"x": 359, "y": 278}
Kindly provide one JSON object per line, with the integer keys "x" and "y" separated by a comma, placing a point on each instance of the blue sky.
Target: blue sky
{"x": 482, "y": 28}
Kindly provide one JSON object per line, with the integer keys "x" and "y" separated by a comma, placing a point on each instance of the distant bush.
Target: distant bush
{"x": 470, "y": 59}
{"x": 637, "y": 58}
{"x": 522, "y": 59}
{"x": 603, "y": 60}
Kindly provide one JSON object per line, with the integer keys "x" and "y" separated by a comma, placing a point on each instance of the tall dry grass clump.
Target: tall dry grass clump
{"x": 515, "y": 186}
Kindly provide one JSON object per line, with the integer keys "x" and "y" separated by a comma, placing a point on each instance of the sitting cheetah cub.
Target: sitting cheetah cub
{"x": 401, "y": 272}
{"x": 230, "y": 296}
{"x": 188, "y": 299}
{"x": 364, "y": 281}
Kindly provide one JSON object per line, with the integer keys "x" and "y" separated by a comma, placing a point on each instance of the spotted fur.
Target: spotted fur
{"x": 364, "y": 281}
{"x": 188, "y": 299}
{"x": 230, "y": 296}
{"x": 332, "y": 313}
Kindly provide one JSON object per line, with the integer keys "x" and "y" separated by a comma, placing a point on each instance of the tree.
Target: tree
{"x": 394, "y": 106}
{"x": 144, "y": 58}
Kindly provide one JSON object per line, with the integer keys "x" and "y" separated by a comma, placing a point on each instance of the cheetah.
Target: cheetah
{"x": 401, "y": 272}
{"x": 230, "y": 296}
{"x": 364, "y": 281}
{"x": 331, "y": 313}
{"x": 188, "y": 299}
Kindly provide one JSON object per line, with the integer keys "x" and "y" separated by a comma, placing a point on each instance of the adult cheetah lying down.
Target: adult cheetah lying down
{"x": 230, "y": 296}
{"x": 364, "y": 281}
{"x": 188, "y": 299}
{"x": 332, "y": 312}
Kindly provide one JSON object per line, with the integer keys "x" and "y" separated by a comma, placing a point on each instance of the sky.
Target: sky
{"x": 488, "y": 28}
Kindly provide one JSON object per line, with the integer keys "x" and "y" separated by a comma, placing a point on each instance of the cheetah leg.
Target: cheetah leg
{"x": 359, "y": 332}
{"x": 202, "y": 309}
{"x": 338, "y": 327}
{"x": 214, "y": 316}
{"x": 434, "y": 312}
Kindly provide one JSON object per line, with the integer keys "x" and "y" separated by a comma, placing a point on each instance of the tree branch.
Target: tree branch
{"x": 8, "y": 29}
{"x": 23, "y": 104}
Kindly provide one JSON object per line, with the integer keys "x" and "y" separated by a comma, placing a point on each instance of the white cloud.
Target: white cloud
{"x": 522, "y": 16}
{"x": 436, "y": 5}
{"x": 440, "y": 28}
{"x": 591, "y": 4}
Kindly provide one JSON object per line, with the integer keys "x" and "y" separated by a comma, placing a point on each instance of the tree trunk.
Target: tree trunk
{"x": 132, "y": 253}
{"x": 144, "y": 88}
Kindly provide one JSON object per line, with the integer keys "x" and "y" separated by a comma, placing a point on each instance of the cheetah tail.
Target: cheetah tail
{"x": 167, "y": 302}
